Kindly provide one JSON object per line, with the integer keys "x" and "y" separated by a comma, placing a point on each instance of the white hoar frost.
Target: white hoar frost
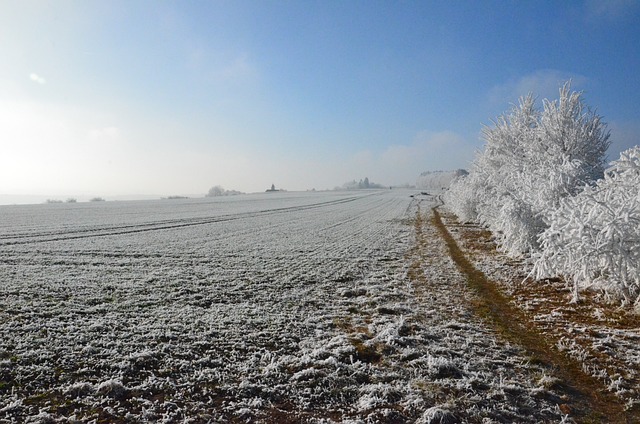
{"x": 288, "y": 306}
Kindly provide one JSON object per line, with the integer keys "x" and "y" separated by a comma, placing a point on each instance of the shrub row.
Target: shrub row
{"x": 540, "y": 186}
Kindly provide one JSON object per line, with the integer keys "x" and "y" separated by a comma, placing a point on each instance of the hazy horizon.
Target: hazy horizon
{"x": 147, "y": 98}
{"x": 31, "y": 199}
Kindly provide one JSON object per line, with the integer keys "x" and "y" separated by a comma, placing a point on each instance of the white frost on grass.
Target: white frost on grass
{"x": 255, "y": 308}
{"x": 437, "y": 415}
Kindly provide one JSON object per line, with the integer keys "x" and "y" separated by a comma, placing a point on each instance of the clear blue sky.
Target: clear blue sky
{"x": 173, "y": 97}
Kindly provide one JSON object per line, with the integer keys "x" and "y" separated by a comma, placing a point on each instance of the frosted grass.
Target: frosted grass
{"x": 287, "y": 306}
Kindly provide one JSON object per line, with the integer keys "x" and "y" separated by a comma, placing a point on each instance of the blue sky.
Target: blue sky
{"x": 173, "y": 97}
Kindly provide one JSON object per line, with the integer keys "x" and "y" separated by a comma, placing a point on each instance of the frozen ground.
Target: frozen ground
{"x": 281, "y": 307}
{"x": 601, "y": 336}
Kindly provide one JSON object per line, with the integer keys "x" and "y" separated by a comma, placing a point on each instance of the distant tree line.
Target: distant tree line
{"x": 73, "y": 200}
{"x": 69, "y": 200}
{"x": 217, "y": 191}
{"x": 361, "y": 185}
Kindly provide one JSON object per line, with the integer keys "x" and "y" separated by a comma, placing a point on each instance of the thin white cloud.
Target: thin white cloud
{"x": 609, "y": 11}
{"x": 219, "y": 66}
{"x": 403, "y": 163}
{"x": 543, "y": 83}
{"x": 443, "y": 150}
{"x": 240, "y": 67}
{"x": 37, "y": 78}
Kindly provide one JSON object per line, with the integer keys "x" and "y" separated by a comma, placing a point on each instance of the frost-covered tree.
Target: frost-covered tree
{"x": 573, "y": 132}
{"x": 359, "y": 185}
{"x": 438, "y": 179}
{"x": 594, "y": 237}
{"x": 531, "y": 160}
{"x": 216, "y": 191}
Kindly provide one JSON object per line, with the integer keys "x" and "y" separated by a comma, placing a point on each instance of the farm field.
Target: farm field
{"x": 279, "y": 307}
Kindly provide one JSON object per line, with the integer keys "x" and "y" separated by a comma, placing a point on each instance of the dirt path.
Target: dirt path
{"x": 585, "y": 399}
{"x": 474, "y": 374}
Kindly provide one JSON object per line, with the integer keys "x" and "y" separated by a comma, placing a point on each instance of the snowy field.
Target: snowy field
{"x": 279, "y": 307}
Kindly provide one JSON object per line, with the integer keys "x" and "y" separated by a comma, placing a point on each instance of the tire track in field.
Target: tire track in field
{"x": 347, "y": 225}
{"x": 20, "y": 239}
{"x": 587, "y": 399}
{"x": 357, "y": 228}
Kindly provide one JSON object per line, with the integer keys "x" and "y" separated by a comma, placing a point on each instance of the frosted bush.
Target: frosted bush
{"x": 515, "y": 225}
{"x": 462, "y": 197}
{"x": 594, "y": 237}
{"x": 438, "y": 180}
{"x": 531, "y": 160}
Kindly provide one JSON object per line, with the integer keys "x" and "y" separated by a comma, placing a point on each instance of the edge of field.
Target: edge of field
{"x": 528, "y": 313}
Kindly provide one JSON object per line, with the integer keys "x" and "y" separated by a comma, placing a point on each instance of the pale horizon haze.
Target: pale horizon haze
{"x": 129, "y": 98}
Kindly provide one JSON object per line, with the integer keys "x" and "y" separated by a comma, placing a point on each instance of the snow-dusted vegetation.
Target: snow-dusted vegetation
{"x": 531, "y": 160}
{"x": 438, "y": 180}
{"x": 360, "y": 185}
{"x": 218, "y": 190}
{"x": 314, "y": 307}
{"x": 539, "y": 186}
{"x": 594, "y": 237}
